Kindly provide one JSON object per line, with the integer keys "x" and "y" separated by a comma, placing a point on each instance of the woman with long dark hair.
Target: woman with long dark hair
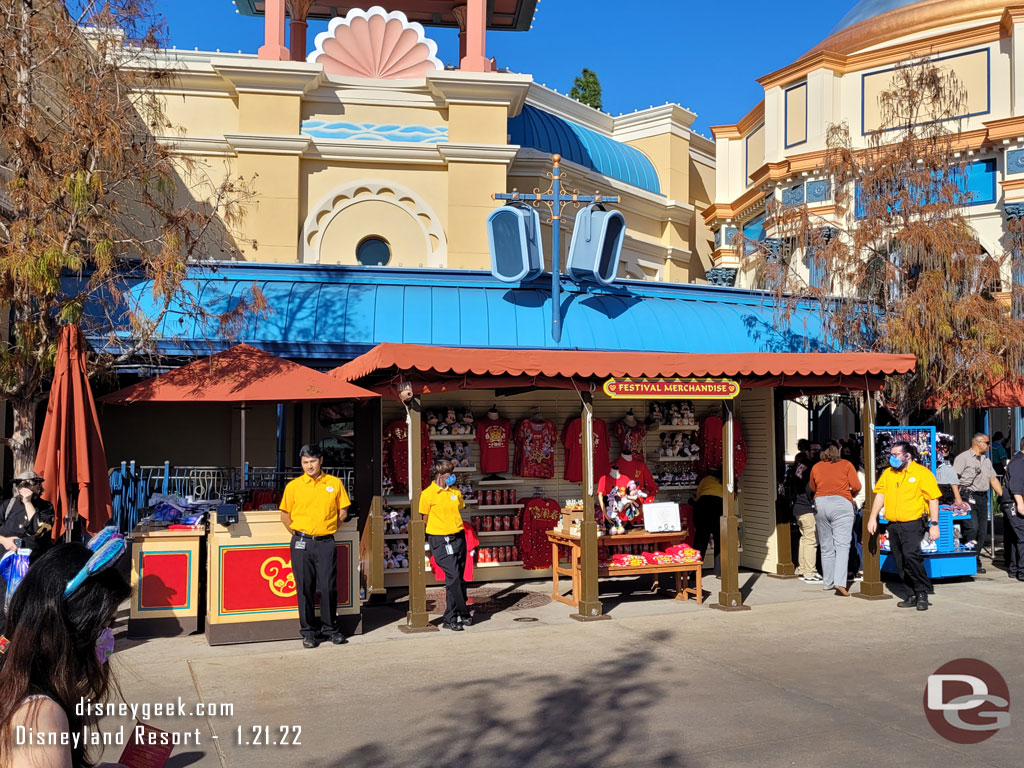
{"x": 54, "y": 653}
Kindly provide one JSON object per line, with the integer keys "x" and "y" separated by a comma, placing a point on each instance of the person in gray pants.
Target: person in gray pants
{"x": 834, "y": 483}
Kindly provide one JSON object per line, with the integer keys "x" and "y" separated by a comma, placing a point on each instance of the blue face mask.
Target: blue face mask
{"x": 449, "y": 481}
{"x": 895, "y": 463}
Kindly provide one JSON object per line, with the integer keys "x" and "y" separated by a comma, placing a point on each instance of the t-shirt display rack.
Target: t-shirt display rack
{"x": 559, "y": 408}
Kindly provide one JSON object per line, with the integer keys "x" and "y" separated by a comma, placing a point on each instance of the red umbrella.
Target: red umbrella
{"x": 241, "y": 374}
{"x": 71, "y": 458}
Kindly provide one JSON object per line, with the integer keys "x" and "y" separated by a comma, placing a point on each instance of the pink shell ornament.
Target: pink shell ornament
{"x": 375, "y": 44}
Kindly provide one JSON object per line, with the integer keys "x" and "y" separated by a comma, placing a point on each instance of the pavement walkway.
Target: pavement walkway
{"x": 803, "y": 679}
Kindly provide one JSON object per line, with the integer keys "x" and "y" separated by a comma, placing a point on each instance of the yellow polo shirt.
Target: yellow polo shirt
{"x": 710, "y": 486}
{"x": 907, "y": 493}
{"x": 314, "y": 504}
{"x": 441, "y": 506}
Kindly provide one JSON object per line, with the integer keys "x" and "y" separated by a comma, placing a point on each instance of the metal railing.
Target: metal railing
{"x": 132, "y": 485}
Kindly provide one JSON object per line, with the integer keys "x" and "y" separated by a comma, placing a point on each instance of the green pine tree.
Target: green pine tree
{"x": 586, "y": 89}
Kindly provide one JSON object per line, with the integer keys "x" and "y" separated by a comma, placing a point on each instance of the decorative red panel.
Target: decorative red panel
{"x": 165, "y": 580}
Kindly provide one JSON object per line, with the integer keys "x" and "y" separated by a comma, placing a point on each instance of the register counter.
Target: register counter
{"x": 166, "y": 567}
{"x": 251, "y": 593}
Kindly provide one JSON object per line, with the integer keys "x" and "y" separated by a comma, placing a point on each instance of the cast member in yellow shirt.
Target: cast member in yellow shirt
{"x": 910, "y": 495}
{"x": 312, "y": 508}
{"x": 441, "y": 503}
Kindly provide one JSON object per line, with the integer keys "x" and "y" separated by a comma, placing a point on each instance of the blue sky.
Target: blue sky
{"x": 703, "y": 55}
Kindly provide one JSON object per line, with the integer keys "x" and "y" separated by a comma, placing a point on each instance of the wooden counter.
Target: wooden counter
{"x": 251, "y": 591}
{"x": 166, "y": 567}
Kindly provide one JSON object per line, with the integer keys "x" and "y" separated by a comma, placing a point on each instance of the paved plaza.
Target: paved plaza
{"x": 802, "y": 679}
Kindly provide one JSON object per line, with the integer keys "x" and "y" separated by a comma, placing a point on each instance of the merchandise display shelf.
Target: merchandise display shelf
{"x": 464, "y": 469}
{"x": 452, "y": 438}
{"x": 489, "y": 507}
{"x": 677, "y": 487}
{"x": 506, "y": 564}
{"x": 671, "y": 458}
{"x": 673, "y": 428}
{"x": 396, "y": 535}
{"x": 498, "y": 533}
{"x": 396, "y": 501}
{"x": 496, "y": 483}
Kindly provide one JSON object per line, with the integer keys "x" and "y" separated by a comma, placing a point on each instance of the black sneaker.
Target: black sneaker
{"x": 922, "y": 602}
{"x": 454, "y": 626}
{"x": 338, "y": 638}
{"x": 466, "y": 621}
{"x": 909, "y": 602}
{"x": 310, "y": 642}
{"x": 981, "y": 568}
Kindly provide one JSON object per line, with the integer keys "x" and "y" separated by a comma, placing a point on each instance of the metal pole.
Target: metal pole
{"x": 243, "y": 448}
{"x": 871, "y": 587}
{"x": 556, "y": 249}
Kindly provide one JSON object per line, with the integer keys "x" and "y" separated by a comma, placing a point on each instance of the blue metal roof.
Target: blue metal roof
{"x": 326, "y": 315}
{"x": 541, "y": 130}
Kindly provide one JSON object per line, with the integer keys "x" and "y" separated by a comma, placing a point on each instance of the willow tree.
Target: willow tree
{"x": 92, "y": 197}
{"x": 897, "y": 266}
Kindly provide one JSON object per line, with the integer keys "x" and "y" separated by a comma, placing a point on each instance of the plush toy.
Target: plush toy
{"x": 613, "y": 512}
{"x": 462, "y": 454}
{"x": 468, "y": 422}
{"x": 451, "y": 421}
{"x": 657, "y": 416}
{"x": 666, "y": 445}
{"x": 389, "y": 557}
{"x": 632, "y": 500}
{"x": 432, "y": 422}
{"x": 448, "y": 452}
{"x": 401, "y": 554}
{"x": 680, "y": 444}
{"x": 675, "y": 415}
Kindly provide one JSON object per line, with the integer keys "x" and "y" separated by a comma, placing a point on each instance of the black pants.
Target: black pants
{"x": 707, "y": 524}
{"x": 1013, "y": 531}
{"x": 976, "y": 529}
{"x": 454, "y": 567}
{"x": 315, "y": 566}
{"x": 905, "y": 544}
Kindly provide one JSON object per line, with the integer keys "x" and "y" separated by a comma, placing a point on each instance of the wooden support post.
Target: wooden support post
{"x": 368, "y": 498}
{"x": 273, "y": 48}
{"x": 589, "y": 608}
{"x": 784, "y": 567}
{"x": 417, "y": 620}
{"x": 871, "y": 588}
{"x": 729, "y": 598}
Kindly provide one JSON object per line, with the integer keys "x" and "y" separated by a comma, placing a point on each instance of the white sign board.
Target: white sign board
{"x": 661, "y": 517}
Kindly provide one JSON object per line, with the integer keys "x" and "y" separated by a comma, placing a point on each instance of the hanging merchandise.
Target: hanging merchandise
{"x": 540, "y": 515}
{"x": 572, "y": 439}
{"x": 631, "y": 437}
{"x": 493, "y": 435}
{"x": 710, "y": 440}
{"x": 535, "y": 440}
{"x": 396, "y": 455}
{"x": 634, "y": 469}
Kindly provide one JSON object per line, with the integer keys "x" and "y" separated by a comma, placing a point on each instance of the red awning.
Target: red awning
{"x": 769, "y": 368}
{"x": 240, "y": 374}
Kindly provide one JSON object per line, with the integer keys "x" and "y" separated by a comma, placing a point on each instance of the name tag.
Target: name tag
{"x": 454, "y": 497}
{"x": 300, "y": 544}
{"x": 913, "y": 479}
{"x": 330, "y": 489}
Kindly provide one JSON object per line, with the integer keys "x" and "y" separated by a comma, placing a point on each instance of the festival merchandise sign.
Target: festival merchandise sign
{"x": 672, "y": 389}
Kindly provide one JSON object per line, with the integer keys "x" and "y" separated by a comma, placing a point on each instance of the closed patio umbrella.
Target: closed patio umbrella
{"x": 71, "y": 458}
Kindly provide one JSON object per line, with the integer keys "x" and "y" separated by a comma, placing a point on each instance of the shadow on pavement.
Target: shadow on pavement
{"x": 591, "y": 718}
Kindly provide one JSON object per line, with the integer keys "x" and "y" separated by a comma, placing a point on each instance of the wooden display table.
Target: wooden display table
{"x": 573, "y": 571}
{"x": 166, "y": 565}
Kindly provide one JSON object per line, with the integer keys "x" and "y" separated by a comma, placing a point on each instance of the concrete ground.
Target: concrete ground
{"x": 802, "y": 679}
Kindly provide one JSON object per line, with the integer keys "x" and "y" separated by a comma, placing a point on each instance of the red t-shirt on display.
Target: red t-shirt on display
{"x": 396, "y": 455}
{"x": 535, "y": 449}
{"x": 494, "y": 437}
{"x": 631, "y": 439}
{"x": 572, "y": 439}
{"x": 539, "y": 517}
{"x": 636, "y": 470}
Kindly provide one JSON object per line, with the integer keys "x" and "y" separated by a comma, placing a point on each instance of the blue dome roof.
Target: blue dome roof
{"x": 866, "y": 9}
{"x": 541, "y": 130}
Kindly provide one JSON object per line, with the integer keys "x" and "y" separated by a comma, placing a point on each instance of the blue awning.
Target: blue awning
{"x": 541, "y": 130}
{"x": 325, "y": 315}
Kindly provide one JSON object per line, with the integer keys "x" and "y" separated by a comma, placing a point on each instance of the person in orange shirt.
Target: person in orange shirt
{"x": 312, "y": 508}
{"x": 834, "y": 483}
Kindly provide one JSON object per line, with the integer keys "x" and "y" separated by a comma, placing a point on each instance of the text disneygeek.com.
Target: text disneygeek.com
{"x": 148, "y": 710}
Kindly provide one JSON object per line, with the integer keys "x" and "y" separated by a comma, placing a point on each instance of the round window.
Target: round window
{"x": 373, "y": 252}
